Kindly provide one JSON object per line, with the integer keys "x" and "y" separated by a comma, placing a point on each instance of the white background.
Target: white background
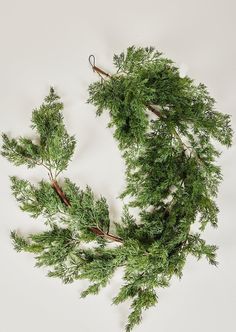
{"x": 45, "y": 43}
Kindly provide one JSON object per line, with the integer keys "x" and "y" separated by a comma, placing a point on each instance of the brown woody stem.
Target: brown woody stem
{"x": 153, "y": 110}
{"x": 59, "y": 192}
{"x": 100, "y": 71}
{"x": 108, "y": 236}
{"x": 95, "y": 230}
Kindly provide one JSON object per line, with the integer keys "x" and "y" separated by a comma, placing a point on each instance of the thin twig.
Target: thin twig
{"x": 189, "y": 148}
{"x": 153, "y": 110}
{"x": 108, "y": 236}
{"x": 60, "y": 193}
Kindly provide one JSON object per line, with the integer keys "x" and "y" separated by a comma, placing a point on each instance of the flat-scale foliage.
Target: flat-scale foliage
{"x": 171, "y": 177}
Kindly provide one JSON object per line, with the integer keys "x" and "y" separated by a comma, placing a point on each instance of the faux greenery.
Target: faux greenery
{"x": 171, "y": 177}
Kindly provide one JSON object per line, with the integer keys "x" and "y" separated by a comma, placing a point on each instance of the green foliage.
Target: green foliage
{"x": 55, "y": 147}
{"x": 40, "y": 200}
{"x": 144, "y": 299}
{"x": 145, "y": 78}
{"x": 21, "y": 244}
{"x": 171, "y": 173}
{"x": 85, "y": 211}
{"x": 21, "y": 151}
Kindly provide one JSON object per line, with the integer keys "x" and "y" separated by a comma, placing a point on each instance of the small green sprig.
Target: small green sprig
{"x": 55, "y": 147}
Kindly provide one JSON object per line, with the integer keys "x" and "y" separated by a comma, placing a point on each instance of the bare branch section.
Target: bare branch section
{"x": 95, "y": 230}
{"x": 108, "y": 236}
{"x": 153, "y": 110}
{"x": 59, "y": 192}
{"x": 100, "y": 71}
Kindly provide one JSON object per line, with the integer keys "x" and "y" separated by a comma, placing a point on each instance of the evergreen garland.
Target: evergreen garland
{"x": 171, "y": 177}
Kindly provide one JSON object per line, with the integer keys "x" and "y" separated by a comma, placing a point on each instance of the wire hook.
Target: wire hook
{"x": 92, "y": 60}
{"x": 99, "y": 71}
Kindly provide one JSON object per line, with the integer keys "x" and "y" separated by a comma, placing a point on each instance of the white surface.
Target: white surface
{"x": 47, "y": 43}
